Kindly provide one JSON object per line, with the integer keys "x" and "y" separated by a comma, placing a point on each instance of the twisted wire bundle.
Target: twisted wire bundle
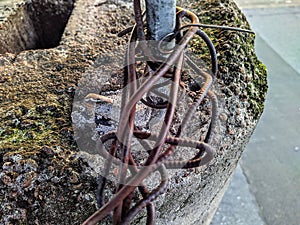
{"x": 120, "y": 141}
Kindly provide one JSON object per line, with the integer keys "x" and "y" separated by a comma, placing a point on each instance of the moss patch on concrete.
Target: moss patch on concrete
{"x": 238, "y": 63}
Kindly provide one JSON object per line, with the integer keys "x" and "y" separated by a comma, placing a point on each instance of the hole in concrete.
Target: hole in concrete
{"x": 36, "y": 24}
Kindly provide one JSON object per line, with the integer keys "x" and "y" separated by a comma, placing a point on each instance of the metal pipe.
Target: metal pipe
{"x": 161, "y": 18}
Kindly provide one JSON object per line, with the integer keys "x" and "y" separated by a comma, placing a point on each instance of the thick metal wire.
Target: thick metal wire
{"x": 120, "y": 205}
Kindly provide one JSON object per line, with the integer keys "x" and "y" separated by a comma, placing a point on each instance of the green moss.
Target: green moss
{"x": 235, "y": 51}
{"x": 26, "y": 136}
{"x": 258, "y": 96}
{"x": 36, "y": 128}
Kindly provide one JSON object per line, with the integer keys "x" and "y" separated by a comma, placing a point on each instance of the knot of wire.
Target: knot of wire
{"x": 120, "y": 141}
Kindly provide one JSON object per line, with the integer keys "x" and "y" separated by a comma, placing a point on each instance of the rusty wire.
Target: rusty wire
{"x": 120, "y": 205}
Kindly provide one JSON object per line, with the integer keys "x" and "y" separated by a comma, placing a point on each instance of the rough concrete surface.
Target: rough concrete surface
{"x": 43, "y": 180}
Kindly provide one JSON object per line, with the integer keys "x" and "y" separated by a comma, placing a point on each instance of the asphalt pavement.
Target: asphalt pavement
{"x": 266, "y": 187}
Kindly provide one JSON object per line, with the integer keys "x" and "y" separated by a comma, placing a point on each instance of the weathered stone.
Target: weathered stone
{"x": 43, "y": 180}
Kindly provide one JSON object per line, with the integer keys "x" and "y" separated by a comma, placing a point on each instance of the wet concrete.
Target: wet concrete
{"x": 271, "y": 161}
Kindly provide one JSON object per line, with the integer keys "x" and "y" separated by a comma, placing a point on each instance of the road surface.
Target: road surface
{"x": 267, "y": 187}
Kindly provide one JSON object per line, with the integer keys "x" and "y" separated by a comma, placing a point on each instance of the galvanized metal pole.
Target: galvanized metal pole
{"x": 161, "y": 18}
